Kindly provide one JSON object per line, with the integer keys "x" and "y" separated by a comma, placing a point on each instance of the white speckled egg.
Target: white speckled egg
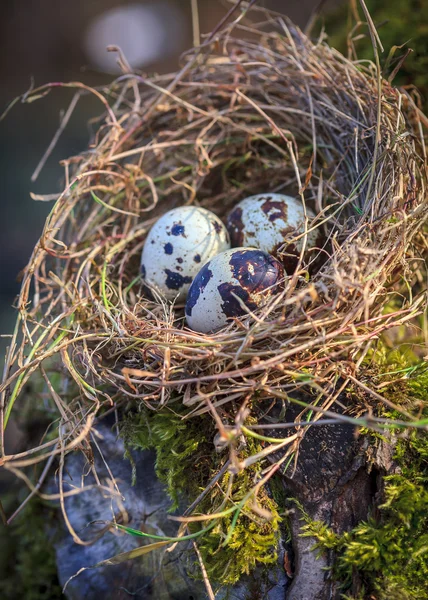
{"x": 248, "y": 273}
{"x": 178, "y": 244}
{"x": 267, "y": 221}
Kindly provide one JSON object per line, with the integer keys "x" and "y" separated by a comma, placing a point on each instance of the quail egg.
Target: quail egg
{"x": 178, "y": 244}
{"x": 267, "y": 221}
{"x": 232, "y": 281}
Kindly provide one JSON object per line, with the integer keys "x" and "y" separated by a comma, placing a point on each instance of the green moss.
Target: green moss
{"x": 184, "y": 449}
{"x": 253, "y": 540}
{"x": 399, "y": 375}
{"x": 390, "y": 554}
{"x": 186, "y": 461}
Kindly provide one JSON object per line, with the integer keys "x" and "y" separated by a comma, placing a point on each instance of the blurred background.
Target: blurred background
{"x": 61, "y": 40}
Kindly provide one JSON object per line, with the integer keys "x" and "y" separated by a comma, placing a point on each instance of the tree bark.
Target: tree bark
{"x": 336, "y": 481}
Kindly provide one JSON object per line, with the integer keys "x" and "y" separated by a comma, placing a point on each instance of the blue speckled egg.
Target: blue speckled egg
{"x": 178, "y": 244}
{"x": 231, "y": 281}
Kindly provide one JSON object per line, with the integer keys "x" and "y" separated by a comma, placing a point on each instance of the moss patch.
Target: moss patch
{"x": 184, "y": 449}
{"x": 242, "y": 540}
{"x": 186, "y": 462}
{"x": 390, "y": 554}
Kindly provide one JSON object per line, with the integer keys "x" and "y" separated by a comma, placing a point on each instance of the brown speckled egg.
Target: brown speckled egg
{"x": 249, "y": 274}
{"x": 268, "y": 222}
{"x": 178, "y": 244}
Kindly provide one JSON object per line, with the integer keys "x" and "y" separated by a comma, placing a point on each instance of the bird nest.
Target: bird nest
{"x": 255, "y": 109}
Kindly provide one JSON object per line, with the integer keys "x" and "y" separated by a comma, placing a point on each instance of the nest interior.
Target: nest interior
{"x": 257, "y": 108}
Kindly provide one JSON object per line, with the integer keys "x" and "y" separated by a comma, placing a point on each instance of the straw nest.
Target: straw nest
{"x": 255, "y": 109}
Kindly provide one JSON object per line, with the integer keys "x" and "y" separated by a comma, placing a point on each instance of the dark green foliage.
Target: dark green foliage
{"x": 27, "y": 557}
{"x": 402, "y": 22}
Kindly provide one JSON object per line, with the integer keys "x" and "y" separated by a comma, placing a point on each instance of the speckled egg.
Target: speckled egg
{"x": 246, "y": 273}
{"x": 267, "y": 221}
{"x": 178, "y": 244}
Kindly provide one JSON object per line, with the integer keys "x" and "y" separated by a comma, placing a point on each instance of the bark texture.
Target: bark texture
{"x": 335, "y": 483}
